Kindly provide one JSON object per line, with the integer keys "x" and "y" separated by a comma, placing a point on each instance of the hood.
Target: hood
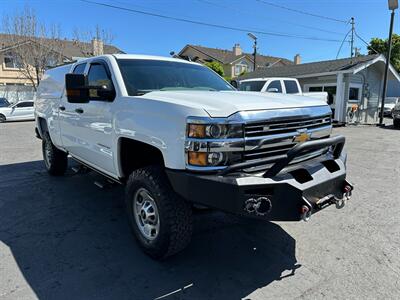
{"x": 226, "y": 103}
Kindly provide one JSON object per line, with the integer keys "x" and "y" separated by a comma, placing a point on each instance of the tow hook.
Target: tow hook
{"x": 306, "y": 210}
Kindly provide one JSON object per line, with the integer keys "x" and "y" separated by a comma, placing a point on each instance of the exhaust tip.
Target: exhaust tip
{"x": 259, "y": 206}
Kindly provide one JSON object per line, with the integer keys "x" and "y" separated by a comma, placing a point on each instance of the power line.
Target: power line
{"x": 366, "y": 43}
{"x": 233, "y": 8}
{"x": 270, "y": 33}
{"x": 341, "y": 45}
{"x": 302, "y": 12}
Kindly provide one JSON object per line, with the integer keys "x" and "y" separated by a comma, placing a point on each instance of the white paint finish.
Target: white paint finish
{"x": 340, "y": 105}
{"x": 156, "y": 118}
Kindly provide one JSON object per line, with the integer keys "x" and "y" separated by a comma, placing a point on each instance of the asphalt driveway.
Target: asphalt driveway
{"x": 64, "y": 238}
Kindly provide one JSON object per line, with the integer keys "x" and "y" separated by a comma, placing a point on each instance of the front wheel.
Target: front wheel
{"x": 2, "y": 118}
{"x": 160, "y": 219}
{"x": 55, "y": 160}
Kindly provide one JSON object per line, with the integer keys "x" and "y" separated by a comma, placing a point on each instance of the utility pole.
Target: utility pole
{"x": 352, "y": 37}
{"x": 254, "y": 38}
{"x": 255, "y": 55}
{"x": 393, "y": 5}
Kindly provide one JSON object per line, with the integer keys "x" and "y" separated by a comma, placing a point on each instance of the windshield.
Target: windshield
{"x": 251, "y": 86}
{"x": 390, "y": 100}
{"x": 4, "y": 102}
{"x": 143, "y": 76}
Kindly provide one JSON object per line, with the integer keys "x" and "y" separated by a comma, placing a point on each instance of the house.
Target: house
{"x": 351, "y": 83}
{"x": 235, "y": 62}
{"x": 15, "y": 85}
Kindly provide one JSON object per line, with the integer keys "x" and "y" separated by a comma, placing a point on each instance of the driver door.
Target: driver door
{"x": 87, "y": 129}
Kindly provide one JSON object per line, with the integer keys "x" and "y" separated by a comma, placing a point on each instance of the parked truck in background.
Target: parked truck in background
{"x": 176, "y": 134}
{"x": 281, "y": 85}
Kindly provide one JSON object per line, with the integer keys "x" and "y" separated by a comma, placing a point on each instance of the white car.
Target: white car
{"x": 176, "y": 134}
{"x": 21, "y": 111}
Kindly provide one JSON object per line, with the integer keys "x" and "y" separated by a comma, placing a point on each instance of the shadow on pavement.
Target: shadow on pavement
{"x": 71, "y": 240}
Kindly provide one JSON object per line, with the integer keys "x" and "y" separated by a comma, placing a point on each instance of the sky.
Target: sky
{"x": 144, "y": 34}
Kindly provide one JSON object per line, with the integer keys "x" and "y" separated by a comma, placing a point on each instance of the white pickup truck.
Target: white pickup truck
{"x": 281, "y": 85}
{"x": 176, "y": 134}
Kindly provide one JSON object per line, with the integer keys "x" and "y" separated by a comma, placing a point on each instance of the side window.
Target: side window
{"x": 291, "y": 87}
{"x": 79, "y": 69}
{"x": 98, "y": 76}
{"x": 24, "y": 104}
{"x": 276, "y": 84}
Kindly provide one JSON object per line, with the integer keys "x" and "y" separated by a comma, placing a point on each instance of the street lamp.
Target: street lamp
{"x": 254, "y": 38}
{"x": 393, "y": 5}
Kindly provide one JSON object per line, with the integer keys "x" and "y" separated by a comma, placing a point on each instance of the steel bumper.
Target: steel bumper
{"x": 283, "y": 193}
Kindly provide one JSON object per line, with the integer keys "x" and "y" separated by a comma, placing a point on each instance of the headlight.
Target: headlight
{"x": 215, "y": 131}
{"x": 211, "y": 144}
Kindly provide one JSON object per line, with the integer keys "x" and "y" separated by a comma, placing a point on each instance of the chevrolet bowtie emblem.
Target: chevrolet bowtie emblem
{"x": 303, "y": 136}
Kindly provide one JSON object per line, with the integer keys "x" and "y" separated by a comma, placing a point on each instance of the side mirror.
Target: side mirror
{"x": 273, "y": 90}
{"x": 77, "y": 88}
{"x": 234, "y": 83}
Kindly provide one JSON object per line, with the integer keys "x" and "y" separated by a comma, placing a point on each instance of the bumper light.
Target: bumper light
{"x": 197, "y": 158}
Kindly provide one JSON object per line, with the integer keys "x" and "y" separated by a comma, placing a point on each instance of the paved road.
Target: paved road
{"x": 64, "y": 238}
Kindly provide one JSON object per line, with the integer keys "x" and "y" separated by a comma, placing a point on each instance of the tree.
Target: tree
{"x": 381, "y": 46}
{"x": 216, "y": 67}
{"x": 33, "y": 45}
{"x": 85, "y": 38}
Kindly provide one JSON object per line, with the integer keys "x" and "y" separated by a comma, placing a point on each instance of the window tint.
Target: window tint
{"x": 79, "y": 69}
{"x": 98, "y": 76}
{"x": 252, "y": 86}
{"x": 25, "y": 104}
{"x": 276, "y": 84}
{"x": 143, "y": 76}
{"x": 291, "y": 87}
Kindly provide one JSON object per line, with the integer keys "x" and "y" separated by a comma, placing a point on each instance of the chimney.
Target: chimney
{"x": 97, "y": 47}
{"x": 237, "y": 50}
{"x": 297, "y": 59}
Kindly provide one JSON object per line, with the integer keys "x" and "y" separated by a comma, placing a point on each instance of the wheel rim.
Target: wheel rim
{"x": 146, "y": 214}
{"x": 47, "y": 154}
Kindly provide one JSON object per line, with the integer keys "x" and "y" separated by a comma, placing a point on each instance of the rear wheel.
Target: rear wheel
{"x": 396, "y": 123}
{"x": 55, "y": 160}
{"x": 160, "y": 219}
{"x": 2, "y": 118}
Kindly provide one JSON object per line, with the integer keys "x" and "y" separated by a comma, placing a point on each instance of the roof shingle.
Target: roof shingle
{"x": 310, "y": 68}
{"x": 227, "y": 56}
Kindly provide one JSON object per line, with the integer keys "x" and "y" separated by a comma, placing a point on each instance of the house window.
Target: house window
{"x": 11, "y": 61}
{"x": 240, "y": 68}
{"x": 354, "y": 93}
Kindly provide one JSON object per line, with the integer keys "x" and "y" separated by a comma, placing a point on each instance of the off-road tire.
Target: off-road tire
{"x": 396, "y": 123}
{"x": 175, "y": 214}
{"x": 55, "y": 160}
{"x": 2, "y": 118}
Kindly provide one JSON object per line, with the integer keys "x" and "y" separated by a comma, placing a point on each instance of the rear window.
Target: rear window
{"x": 291, "y": 87}
{"x": 251, "y": 86}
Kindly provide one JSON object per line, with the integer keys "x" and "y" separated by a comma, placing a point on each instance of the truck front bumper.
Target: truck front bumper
{"x": 284, "y": 193}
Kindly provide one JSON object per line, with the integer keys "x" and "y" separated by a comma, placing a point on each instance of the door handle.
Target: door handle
{"x": 79, "y": 110}
{"x": 62, "y": 108}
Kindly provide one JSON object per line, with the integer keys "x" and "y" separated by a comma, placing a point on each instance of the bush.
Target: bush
{"x": 216, "y": 67}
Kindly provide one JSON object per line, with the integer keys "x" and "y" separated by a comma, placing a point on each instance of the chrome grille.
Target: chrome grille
{"x": 278, "y": 138}
{"x": 265, "y": 128}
